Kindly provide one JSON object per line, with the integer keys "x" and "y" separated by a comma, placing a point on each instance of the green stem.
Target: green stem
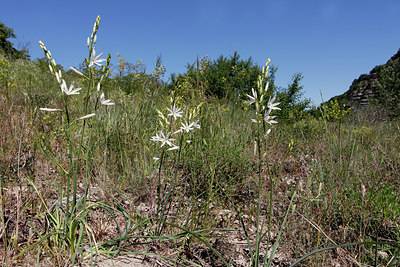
{"x": 258, "y": 233}
{"x": 166, "y": 205}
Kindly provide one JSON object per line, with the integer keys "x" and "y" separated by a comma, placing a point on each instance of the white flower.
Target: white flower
{"x": 253, "y": 98}
{"x": 87, "y": 116}
{"x": 175, "y": 112}
{"x": 186, "y": 127}
{"x": 70, "y": 90}
{"x": 272, "y": 105}
{"x": 156, "y": 159}
{"x": 269, "y": 119}
{"x": 105, "y": 102}
{"x": 163, "y": 139}
{"x": 50, "y": 109}
{"x": 95, "y": 60}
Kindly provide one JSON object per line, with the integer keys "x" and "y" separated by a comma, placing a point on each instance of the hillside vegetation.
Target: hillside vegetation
{"x": 216, "y": 167}
{"x": 378, "y": 90}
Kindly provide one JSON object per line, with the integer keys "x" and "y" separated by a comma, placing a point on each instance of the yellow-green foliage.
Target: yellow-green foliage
{"x": 362, "y": 133}
{"x": 335, "y": 112}
{"x": 310, "y": 126}
{"x": 183, "y": 86}
{"x": 158, "y": 72}
{"x": 193, "y": 86}
{"x": 5, "y": 79}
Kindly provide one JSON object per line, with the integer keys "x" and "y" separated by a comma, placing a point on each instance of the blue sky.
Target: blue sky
{"x": 331, "y": 42}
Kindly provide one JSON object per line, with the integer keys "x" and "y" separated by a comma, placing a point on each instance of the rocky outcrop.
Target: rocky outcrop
{"x": 367, "y": 87}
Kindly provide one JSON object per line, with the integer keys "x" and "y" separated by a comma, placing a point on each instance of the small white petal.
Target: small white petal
{"x": 76, "y": 71}
{"x": 175, "y": 112}
{"x": 87, "y": 116}
{"x": 180, "y": 130}
{"x": 50, "y": 109}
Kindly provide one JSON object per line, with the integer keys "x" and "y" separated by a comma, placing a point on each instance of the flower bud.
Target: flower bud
{"x": 58, "y": 78}
{"x": 76, "y": 71}
{"x": 98, "y": 20}
{"x": 42, "y": 45}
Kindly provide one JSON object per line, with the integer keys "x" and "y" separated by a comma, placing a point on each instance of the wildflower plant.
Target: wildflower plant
{"x": 69, "y": 217}
{"x": 176, "y": 126}
{"x": 264, "y": 121}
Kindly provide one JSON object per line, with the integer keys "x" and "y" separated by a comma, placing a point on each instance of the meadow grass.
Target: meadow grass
{"x": 75, "y": 191}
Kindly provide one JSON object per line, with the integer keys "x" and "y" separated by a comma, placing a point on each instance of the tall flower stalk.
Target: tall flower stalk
{"x": 173, "y": 136}
{"x": 75, "y": 205}
{"x": 263, "y": 120}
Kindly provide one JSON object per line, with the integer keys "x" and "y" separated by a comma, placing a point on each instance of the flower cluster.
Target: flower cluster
{"x": 169, "y": 124}
{"x": 263, "y": 113}
{"x": 91, "y": 62}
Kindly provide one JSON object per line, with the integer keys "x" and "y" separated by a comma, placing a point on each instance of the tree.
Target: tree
{"x": 292, "y": 104}
{"x": 225, "y": 77}
{"x": 6, "y": 47}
